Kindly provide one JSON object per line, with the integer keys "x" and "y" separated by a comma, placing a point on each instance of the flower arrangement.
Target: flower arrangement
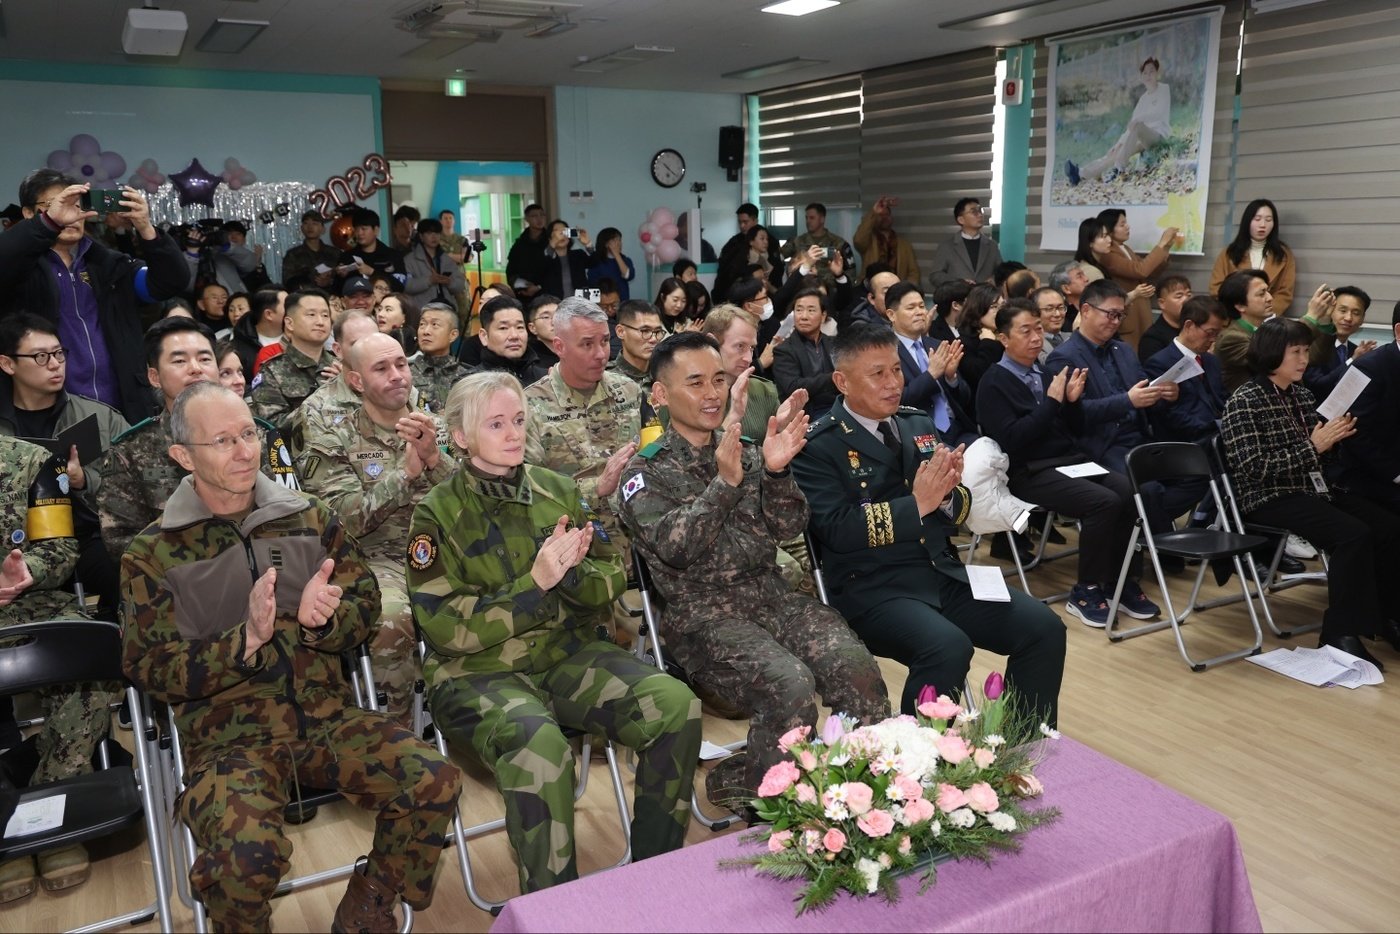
{"x": 855, "y": 807}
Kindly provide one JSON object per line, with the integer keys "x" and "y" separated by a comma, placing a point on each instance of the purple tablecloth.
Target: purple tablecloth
{"x": 1127, "y": 854}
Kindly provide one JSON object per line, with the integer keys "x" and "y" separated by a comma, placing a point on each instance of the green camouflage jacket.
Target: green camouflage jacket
{"x": 284, "y": 382}
{"x": 185, "y": 584}
{"x": 470, "y": 551}
{"x": 434, "y": 378}
{"x": 36, "y": 516}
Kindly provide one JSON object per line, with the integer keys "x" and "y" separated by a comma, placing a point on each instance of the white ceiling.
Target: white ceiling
{"x": 710, "y": 37}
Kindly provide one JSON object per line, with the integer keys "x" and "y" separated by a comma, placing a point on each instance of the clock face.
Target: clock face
{"x": 668, "y": 168}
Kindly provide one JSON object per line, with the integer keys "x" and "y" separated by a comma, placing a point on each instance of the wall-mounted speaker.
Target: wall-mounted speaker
{"x": 731, "y": 150}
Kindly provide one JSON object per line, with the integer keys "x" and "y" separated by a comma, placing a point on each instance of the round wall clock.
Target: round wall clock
{"x": 668, "y": 168}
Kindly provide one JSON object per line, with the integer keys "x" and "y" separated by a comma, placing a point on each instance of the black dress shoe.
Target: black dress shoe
{"x": 1390, "y": 632}
{"x": 1002, "y": 551}
{"x": 1352, "y": 645}
{"x": 1287, "y": 565}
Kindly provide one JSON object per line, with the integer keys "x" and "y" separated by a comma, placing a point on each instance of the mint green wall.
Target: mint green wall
{"x": 1016, "y": 159}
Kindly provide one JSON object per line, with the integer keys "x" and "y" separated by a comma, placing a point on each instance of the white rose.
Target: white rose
{"x": 1002, "y": 821}
{"x": 870, "y": 870}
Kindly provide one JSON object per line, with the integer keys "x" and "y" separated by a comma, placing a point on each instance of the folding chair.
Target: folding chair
{"x": 182, "y": 838}
{"x": 78, "y": 651}
{"x": 1168, "y": 460}
{"x": 461, "y": 833}
{"x": 649, "y": 650}
{"x": 1039, "y": 557}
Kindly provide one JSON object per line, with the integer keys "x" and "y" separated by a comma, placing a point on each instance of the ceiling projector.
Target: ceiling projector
{"x": 154, "y": 32}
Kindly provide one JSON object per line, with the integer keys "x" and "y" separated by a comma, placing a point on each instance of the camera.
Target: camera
{"x": 825, "y": 252}
{"x": 103, "y": 200}
{"x": 474, "y": 242}
{"x": 697, "y": 187}
{"x": 211, "y": 233}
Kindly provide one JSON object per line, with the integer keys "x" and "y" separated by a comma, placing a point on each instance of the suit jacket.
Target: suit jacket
{"x": 875, "y": 545}
{"x": 578, "y": 261}
{"x": 1325, "y": 368}
{"x": 1110, "y": 421}
{"x": 1198, "y": 407}
{"x": 920, "y": 390}
{"x": 793, "y": 370}
{"x": 952, "y": 264}
{"x": 940, "y": 329}
{"x": 1373, "y": 453}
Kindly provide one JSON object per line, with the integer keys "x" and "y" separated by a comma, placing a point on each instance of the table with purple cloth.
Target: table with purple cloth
{"x": 1127, "y": 854}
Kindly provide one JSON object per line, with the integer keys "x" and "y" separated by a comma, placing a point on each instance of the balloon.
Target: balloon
{"x": 662, "y": 216}
{"x": 236, "y": 176}
{"x": 644, "y": 236}
{"x": 670, "y": 232}
{"x": 148, "y": 177}
{"x": 341, "y": 230}
{"x": 654, "y": 230}
{"x": 649, "y": 248}
{"x": 85, "y": 161}
{"x": 196, "y": 185}
{"x": 669, "y": 251}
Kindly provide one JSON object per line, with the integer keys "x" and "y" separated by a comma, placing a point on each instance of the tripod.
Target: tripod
{"x": 473, "y": 301}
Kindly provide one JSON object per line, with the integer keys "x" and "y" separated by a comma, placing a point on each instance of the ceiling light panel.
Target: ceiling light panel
{"x": 800, "y": 7}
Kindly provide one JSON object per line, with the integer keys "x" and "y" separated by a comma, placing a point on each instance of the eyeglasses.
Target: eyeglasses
{"x": 42, "y": 357}
{"x": 648, "y": 333}
{"x": 224, "y": 443}
{"x": 1060, "y": 308}
{"x": 1108, "y": 313}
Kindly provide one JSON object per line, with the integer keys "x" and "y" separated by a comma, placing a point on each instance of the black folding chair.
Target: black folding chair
{"x": 54, "y": 653}
{"x": 1171, "y": 460}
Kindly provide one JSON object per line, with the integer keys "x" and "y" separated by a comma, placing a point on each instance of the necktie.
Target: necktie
{"x": 1343, "y": 353}
{"x": 920, "y": 355}
{"x": 1110, "y": 368}
{"x": 887, "y": 435}
{"x": 1199, "y": 362}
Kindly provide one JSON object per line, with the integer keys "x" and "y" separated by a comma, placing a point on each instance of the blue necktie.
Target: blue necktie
{"x": 941, "y": 419}
{"x": 1343, "y": 353}
{"x": 920, "y": 355}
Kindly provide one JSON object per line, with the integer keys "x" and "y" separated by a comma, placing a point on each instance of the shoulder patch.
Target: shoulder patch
{"x": 650, "y": 451}
{"x": 135, "y": 428}
{"x": 422, "y": 552}
{"x": 820, "y": 425}
{"x": 257, "y": 380}
{"x": 633, "y": 486}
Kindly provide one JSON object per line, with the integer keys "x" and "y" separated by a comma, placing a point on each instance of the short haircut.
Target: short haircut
{"x": 745, "y": 290}
{"x": 1174, "y": 281}
{"x": 1234, "y": 291}
{"x": 234, "y": 227}
{"x": 178, "y": 324}
{"x": 721, "y": 317}
{"x": 947, "y": 295}
{"x": 1059, "y": 276}
{"x": 1008, "y": 312}
{"x": 810, "y": 292}
{"x": 1395, "y": 315}
{"x": 533, "y": 206}
{"x": 1271, "y": 341}
{"x": 14, "y": 327}
{"x": 815, "y": 206}
{"x": 263, "y": 300}
{"x": 557, "y": 222}
{"x": 429, "y": 225}
{"x": 1021, "y": 283}
{"x": 573, "y": 308}
{"x": 1100, "y": 289}
{"x": 442, "y": 308}
{"x": 895, "y": 293}
{"x": 1050, "y": 290}
{"x": 858, "y": 338}
{"x": 312, "y": 215}
{"x": 632, "y": 309}
{"x": 1003, "y": 270}
{"x": 962, "y": 206}
{"x": 501, "y": 288}
{"x": 212, "y": 285}
{"x": 364, "y": 217}
{"x": 338, "y": 329}
{"x": 538, "y": 302}
{"x": 1199, "y": 309}
{"x": 497, "y": 305}
{"x": 682, "y": 265}
{"x": 750, "y": 268}
{"x": 1150, "y": 60}
{"x": 445, "y": 212}
{"x": 875, "y": 268}
{"x": 469, "y": 395}
{"x": 37, "y": 182}
{"x": 1355, "y": 293}
{"x": 748, "y": 208}
{"x": 295, "y": 299}
{"x": 607, "y": 285}
{"x": 181, "y": 427}
{"x": 408, "y": 211}
{"x": 665, "y": 353}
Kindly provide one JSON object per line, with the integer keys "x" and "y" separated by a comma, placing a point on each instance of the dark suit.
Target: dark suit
{"x": 794, "y": 369}
{"x": 1201, "y": 401}
{"x": 896, "y": 576}
{"x": 920, "y": 390}
{"x": 940, "y": 329}
{"x": 1327, "y": 367}
{"x": 1370, "y": 459}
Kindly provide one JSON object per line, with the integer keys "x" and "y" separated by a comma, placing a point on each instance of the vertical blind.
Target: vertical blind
{"x": 809, "y": 143}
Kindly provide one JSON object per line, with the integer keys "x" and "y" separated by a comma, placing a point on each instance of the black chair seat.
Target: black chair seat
{"x": 1206, "y": 544}
{"x": 97, "y": 804}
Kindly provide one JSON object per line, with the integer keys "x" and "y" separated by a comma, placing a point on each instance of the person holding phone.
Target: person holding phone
{"x": 566, "y": 266}
{"x": 51, "y": 266}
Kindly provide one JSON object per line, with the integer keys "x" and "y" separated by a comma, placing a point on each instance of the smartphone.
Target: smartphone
{"x": 591, "y": 294}
{"x": 571, "y": 232}
{"x": 785, "y": 329}
{"x": 103, "y": 200}
{"x": 823, "y": 253}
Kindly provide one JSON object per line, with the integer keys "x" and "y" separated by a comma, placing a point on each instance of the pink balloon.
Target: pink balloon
{"x": 662, "y": 216}
{"x": 670, "y": 232}
{"x": 669, "y": 251}
{"x": 644, "y": 236}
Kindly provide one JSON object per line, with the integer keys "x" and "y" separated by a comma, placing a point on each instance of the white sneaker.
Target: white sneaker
{"x": 1299, "y": 548}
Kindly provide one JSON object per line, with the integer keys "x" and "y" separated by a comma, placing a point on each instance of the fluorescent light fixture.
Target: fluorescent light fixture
{"x": 1273, "y": 6}
{"x": 455, "y": 87}
{"x": 622, "y": 58}
{"x": 800, "y": 7}
{"x": 550, "y": 28}
{"x": 1017, "y": 14}
{"x": 773, "y": 68}
{"x": 230, "y": 36}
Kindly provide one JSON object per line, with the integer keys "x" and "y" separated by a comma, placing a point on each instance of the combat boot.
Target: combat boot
{"x": 367, "y": 907}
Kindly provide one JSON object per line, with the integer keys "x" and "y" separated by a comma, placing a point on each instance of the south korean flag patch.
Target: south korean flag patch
{"x": 632, "y": 487}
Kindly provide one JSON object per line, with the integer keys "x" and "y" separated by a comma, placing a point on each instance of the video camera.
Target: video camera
{"x": 208, "y": 233}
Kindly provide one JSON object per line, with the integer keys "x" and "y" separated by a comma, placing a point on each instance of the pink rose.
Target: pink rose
{"x": 953, "y": 748}
{"x": 806, "y": 794}
{"x": 909, "y": 788}
{"x": 793, "y": 736}
{"x": 876, "y": 823}
{"x": 778, "y": 779}
{"x": 807, "y": 760}
{"x": 858, "y": 797}
{"x": 981, "y": 797}
{"x": 778, "y": 841}
{"x": 983, "y": 757}
{"x": 834, "y": 841}
{"x": 941, "y": 709}
{"x": 905, "y": 845}
{"x": 920, "y": 809}
{"x": 950, "y": 798}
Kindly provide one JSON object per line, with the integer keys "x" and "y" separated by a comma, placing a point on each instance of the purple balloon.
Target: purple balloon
{"x": 196, "y": 185}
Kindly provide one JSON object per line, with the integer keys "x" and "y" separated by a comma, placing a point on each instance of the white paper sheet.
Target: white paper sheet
{"x": 1340, "y": 399}
{"x": 1179, "y": 372}
{"x": 1319, "y": 667}
{"x": 1089, "y": 469}
{"x": 987, "y": 583}
{"x": 709, "y": 750}
{"x": 32, "y": 817}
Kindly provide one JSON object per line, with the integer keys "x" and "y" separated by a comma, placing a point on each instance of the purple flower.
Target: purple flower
{"x": 994, "y": 686}
{"x": 927, "y": 693}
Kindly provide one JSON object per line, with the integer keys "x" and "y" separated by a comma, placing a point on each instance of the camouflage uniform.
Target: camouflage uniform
{"x": 284, "y": 382}
{"x": 253, "y": 727}
{"x": 357, "y": 467}
{"x": 139, "y": 475}
{"x": 434, "y": 378}
{"x": 622, "y": 367}
{"x": 731, "y": 622}
{"x": 330, "y": 405}
{"x": 36, "y": 516}
{"x": 510, "y": 664}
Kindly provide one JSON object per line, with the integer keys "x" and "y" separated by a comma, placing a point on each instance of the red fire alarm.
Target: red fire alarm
{"x": 1011, "y": 92}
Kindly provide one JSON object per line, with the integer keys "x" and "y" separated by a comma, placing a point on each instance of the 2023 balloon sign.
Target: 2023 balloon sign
{"x": 359, "y": 182}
